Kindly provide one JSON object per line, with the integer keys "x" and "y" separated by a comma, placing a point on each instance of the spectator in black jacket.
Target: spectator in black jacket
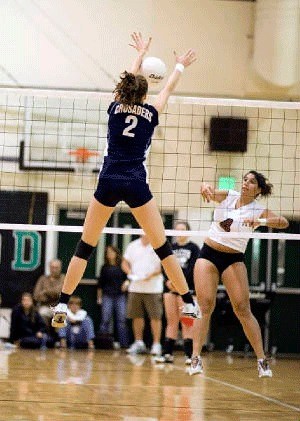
{"x": 111, "y": 294}
{"x": 28, "y": 329}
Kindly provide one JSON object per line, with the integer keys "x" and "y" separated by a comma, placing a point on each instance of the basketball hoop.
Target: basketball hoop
{"x": 82, "y": 156}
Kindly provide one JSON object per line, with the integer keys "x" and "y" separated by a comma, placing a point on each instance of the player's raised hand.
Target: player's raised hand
{"x": 139, "y": 44}
{"x": 187, "y": 58}
{"x": 207, "y": 192}
{"x": 141, "y": 47}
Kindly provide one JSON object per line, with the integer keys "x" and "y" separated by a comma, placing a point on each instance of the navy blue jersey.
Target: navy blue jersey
{"x": 130, "y": 128}
{"x": 111, "y": 279}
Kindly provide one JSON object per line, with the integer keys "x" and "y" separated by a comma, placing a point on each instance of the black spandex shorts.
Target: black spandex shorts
{"x": 110, "y": 192}
{"x": 220, "y": 259}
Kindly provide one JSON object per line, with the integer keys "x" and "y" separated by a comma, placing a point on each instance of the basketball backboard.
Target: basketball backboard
{"x": 48, "y": 130}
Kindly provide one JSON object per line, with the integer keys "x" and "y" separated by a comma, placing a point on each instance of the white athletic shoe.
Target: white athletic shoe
{"x": 264, "y": 369}
{"x": 191, "y": 310}
{"x": 164, "y": 359}
{"x": 138, "y": 347}
{"x": 59, "y": 318}
{"x": 196, "y": 366}
{"x": 156, "y": 349}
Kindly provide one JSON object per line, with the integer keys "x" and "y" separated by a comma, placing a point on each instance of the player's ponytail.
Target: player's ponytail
{"x": 131, "y": 89}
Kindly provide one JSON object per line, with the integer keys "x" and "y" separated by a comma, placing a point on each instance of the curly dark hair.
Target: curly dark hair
{"x": 131, "y": 89}
{"x": 263, "y": 183}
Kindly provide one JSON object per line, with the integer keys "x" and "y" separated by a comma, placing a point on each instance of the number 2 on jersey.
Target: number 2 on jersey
{"x": 132, "y": 121}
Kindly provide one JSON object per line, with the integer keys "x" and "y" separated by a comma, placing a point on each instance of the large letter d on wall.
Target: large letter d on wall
{"x": 33, "y": 260}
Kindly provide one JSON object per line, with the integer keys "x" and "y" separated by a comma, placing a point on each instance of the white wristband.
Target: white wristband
{"x": 262, "y": 221}
{"x": 179, "y": 67}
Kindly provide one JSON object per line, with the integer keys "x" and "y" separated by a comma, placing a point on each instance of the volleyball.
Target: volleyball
{"x": 154, "y": 69}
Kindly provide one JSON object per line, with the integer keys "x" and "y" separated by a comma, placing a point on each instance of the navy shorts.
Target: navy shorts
{"x": 220, "y": 259}
{"x": 110, "y": 192}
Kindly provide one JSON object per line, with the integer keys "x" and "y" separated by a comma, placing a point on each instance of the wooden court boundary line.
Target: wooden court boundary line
{"x": 242, "y": 389}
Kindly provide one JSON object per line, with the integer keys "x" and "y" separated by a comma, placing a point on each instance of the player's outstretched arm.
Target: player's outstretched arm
{"x": 182, "y": 62}
{"x": 270, "y": 219}
{"x": 142, "y": 48}
{"x": 209, "y": 193}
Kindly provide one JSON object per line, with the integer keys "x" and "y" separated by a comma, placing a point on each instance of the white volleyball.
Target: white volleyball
{"x": 154, "y": 69}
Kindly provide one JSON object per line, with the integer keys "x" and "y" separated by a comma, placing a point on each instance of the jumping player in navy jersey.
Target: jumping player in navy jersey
{"x": 123, "y": 176}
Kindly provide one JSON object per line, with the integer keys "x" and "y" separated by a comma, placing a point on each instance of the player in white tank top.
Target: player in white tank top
{"x": 227, "y": 215}
{"x": 223, "y": 257}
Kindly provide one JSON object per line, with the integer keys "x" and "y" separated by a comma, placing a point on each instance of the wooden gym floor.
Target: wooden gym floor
{"x": 57, "y": 385}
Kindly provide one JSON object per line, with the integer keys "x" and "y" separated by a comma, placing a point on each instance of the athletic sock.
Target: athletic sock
{"x": 187, "y": 298}
{"x": 64, "y": 298}
{"x": 168, "y": 346}
{"x": 188, "y": 347}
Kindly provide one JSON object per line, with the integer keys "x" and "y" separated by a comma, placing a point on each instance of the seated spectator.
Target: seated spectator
{"x": 47, "y": 289}
{"x": 28, "y": 329}
{"x": 79, "y": 332}
{"x": 111, "y": 294}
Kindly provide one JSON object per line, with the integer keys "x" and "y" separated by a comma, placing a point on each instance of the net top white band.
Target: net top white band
{"x": 138, "y": 231}
{"x": 231, "y": 102}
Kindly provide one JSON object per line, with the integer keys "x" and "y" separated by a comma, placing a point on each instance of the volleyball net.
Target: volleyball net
{"x": 51, "y": 150}
{"x": 52, "y": 146}
{"x": 53, "y": 143}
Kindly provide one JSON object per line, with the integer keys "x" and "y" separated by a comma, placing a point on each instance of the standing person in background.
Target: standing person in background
{"x": 187, "y": 253}
{"x": 223, "y": 257}
{"x": 111, "y": 294}
{"x": 143, "y": 269}
{"x": 123, "y": 176}
{"x": 47, "y": 290}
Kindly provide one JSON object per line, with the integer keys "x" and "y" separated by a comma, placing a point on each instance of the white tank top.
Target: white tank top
{"x": 226, "y": 211}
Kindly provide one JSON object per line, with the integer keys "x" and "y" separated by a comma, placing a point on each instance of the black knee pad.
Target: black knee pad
{"x": 164, "y": 251}
{"x": 83, "y": 250}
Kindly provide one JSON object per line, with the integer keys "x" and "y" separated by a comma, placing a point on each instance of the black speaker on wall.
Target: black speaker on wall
{"x": 228, "y": 134}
